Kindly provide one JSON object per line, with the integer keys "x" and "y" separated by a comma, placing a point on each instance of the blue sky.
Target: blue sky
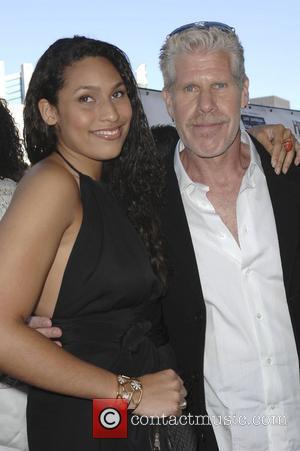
{"x": 269, "y": 31}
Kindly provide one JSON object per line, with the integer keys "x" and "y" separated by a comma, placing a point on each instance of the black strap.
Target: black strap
{"x": 68, "y": 163}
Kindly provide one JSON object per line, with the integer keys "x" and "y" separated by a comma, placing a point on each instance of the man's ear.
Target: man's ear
{"x": 169, "y": 102}
{"x": 48, "y": 112}
{"x": 245, "y": 93}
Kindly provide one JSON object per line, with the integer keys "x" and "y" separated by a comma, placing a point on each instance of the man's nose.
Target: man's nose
{"x": 205, "y": 101}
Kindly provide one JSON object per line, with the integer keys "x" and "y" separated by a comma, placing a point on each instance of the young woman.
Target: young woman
{"x": 11, "y": 156}
{"x": 12, "y": 394}
{"x": 81, "y": 244}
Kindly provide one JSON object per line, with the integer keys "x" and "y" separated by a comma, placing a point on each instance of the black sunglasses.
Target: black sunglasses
{"x": 203, "y": 26}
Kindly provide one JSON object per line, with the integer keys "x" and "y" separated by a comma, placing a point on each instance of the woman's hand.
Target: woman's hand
{"x": 163, "y": 394}
{"x": 272, "y": 137}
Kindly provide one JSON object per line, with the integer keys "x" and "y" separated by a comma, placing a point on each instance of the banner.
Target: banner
{"x": 259, "y": 115}
{"x": 251, "y": 115}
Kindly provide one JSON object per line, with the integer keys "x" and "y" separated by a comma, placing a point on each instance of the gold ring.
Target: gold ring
{"x": 183, "y": 405}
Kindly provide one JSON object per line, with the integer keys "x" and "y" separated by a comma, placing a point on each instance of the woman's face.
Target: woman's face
{"x": 93, "y": 114}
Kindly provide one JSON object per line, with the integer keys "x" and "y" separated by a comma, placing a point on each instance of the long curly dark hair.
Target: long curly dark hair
{"x": 136, "y": 176}
{"x": 11, "y": 154}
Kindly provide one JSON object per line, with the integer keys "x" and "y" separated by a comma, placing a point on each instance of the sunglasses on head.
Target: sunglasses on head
{"x": 203, "y": 26}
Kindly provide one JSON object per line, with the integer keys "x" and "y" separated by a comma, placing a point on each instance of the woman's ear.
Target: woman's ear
{"x": 48, "y": 112}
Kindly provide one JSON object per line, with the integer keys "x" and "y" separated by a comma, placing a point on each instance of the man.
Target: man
{"x": 233, "y": 227}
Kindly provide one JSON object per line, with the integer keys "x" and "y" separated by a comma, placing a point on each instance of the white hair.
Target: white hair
{"x": 195, "y": 39}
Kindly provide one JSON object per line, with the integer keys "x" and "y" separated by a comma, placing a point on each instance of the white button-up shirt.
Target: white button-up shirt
{"x": 251, "y": 367}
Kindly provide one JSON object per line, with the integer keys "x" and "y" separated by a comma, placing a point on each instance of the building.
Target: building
{"x": 141, "y": 76}
{"x": 274, "y": 101}
{"x": 13, "y": 87}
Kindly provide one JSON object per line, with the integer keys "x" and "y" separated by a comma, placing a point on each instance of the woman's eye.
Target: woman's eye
{"x": 118, "y": 94}
{"x": 85, "y": 99}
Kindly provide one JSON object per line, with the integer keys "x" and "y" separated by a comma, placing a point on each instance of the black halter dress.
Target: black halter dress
{"x": 109, "y": 311}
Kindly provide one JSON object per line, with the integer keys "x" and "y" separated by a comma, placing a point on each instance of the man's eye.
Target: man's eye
{"x": 219, "y": 85}
{"x": 190, "y": 88}
{"x": 85, "y": 99}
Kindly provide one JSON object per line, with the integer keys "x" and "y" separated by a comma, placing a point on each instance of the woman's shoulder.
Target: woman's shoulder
{"x": 52, "y": 180}
{"x": 46, "y": 189}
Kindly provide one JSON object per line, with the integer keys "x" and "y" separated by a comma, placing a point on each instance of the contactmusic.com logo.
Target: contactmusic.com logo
{"x": 110, "y": 418}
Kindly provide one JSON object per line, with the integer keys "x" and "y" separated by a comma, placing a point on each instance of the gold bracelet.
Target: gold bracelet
{"x": 123, "y": 393}
{"x": 136, "y": 403}
{"x": 127, "y": 389}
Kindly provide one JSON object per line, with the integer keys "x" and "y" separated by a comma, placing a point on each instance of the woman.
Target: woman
{"x": 12, "y": 394}
{"x": 12, "y": 163}
{"x": 71, "y": 253}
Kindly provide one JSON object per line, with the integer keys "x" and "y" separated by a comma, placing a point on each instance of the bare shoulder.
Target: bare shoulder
{"x": 45, "y": 208}
{"x": 50, "y": 177}
{"x": 47, "y": 187}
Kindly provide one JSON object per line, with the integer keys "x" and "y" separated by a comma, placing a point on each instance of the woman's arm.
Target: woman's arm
{"x": 272, "y": 136}
{"x": 42, "y": 211}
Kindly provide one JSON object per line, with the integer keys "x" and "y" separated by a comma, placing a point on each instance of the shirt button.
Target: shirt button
{"x": 196, "y": 376}
{"x": 248, "y": 271}
{"x": 272, "y": 407}
{"x": 259, "y": 316}
{"x": 269, "y": 361}
{"x": 222, "y": 235}
{"x": 203, "y": 439}
{"x": 197, "y": 316}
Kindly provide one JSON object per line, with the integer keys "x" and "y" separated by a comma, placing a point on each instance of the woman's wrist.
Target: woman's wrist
{"x": 130, "y": 390}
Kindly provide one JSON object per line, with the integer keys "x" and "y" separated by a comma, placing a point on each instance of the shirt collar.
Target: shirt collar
{"x": 185, "y": 182}
{"x": 255, "y": 162}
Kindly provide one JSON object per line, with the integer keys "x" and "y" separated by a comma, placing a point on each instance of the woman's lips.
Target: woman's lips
{"x": 109, "y": 134}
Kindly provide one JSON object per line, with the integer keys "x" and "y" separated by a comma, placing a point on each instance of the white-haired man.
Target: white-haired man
{"x": 233, "y": 225}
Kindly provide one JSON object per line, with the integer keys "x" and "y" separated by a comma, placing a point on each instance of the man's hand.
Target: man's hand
{"x": 272, "y": 138}
{"x": 44, "y": 326}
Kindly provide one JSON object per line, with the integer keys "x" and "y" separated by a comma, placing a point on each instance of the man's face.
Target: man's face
{"x": 205, "y": 102}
